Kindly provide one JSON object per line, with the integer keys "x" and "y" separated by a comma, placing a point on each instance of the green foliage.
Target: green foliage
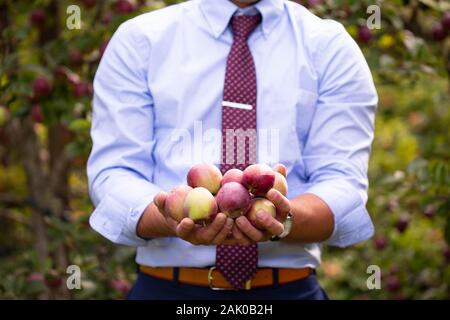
{"x": 409, "y": 169}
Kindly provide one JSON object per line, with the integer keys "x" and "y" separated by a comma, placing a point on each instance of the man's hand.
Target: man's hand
{"x": 155, "y": 222}
{"x": 217, "y": 232}
{"x": 222, "y": 230}
{"x": 270, "y": 226}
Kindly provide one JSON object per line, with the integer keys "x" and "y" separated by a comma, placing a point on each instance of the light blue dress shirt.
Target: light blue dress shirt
{"x": 157, "y": 111}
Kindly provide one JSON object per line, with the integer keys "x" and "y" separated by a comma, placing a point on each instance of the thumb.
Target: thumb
{"x": 281, "y": 168}
{"x": 160, "y": 200}
{"x": 185, "y": 227}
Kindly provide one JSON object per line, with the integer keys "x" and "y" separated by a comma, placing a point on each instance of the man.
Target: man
{"x": 169, "y": 81}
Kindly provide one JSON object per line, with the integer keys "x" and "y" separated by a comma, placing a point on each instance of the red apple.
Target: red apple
{"x": 82, "y": 89}
{"x": 365, "y": 35}
{"x": 53, "y": 279}
{"x": 260, "y": 205}
{"x": 445, "y": 22}
{"x": 393, "y": 283}
{"x": 258, "y": 179}
{"x": 41, "y": 87}
{"x": 429, "y": 211}
{"x": 37, "y": 17}
{"x": 438, "y": 32}
{"x": 174, "y": 205}
{"x": 380, "y": 242}
{"x": 200, "y": 205}
{"x": 402, "y": 223}
{"x": 37, "y": 114}
{"x": 102, "y": 47}
{"x": 60, "y": 72}
{"x": 205, "y": 175}
{"x": 233, "y": 199}
{"x": 75, "y": 57}
{"x": 232, "y": 175}
{"x": 124, "y": 6}
{"x": 447, "y": 254}
{"x": 121, "y": 285}
{"x": 107, "y": 18}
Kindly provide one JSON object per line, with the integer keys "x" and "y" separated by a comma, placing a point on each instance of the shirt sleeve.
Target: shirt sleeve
{"x": 337, "y": 149}
{"x": 120, "y": 167}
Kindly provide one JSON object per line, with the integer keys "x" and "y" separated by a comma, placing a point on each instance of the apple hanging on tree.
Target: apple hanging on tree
{"x": 75, "y": 57}
{"x": 365, "y": 35}
{"x": 42, "y": 87}
{"x": 445, "y": 22}
{"x": 37, "y": 114}
{"x": 124, "y": 7}
{"x": 37, "y": 18}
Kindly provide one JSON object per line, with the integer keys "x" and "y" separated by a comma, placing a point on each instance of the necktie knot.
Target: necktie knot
{"x": 243, "y": 26}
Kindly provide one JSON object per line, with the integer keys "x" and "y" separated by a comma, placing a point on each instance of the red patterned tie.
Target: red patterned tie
{"x": 238, "y": 263}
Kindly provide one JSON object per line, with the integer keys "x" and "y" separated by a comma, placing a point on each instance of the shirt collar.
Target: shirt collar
{"x": 249, "y": 11}
{"x": 219, "y": 12}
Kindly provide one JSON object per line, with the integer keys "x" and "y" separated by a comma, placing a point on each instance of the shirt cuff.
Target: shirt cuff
{"x": 352, "y": 223}
{"x": 119, "y": 211}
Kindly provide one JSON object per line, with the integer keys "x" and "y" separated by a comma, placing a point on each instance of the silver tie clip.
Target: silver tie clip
{"x": 237, "y": 105}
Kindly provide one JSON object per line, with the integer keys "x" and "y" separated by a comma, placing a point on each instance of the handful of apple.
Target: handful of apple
{"x": 235, "y": 194}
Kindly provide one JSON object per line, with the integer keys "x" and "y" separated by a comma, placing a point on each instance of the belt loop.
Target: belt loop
{"x": 176, "y": 275}
{"x": 275, "y": 277}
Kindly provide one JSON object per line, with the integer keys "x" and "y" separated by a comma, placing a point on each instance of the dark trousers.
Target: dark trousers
{"x": 151, "y": 288}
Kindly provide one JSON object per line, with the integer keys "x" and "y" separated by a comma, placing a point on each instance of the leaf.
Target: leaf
{"x": 80, "y": 125}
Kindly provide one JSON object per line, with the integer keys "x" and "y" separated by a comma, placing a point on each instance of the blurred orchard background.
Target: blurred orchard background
{"x": 46, "y": 73}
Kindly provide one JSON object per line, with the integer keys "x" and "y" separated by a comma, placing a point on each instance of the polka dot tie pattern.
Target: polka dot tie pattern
{"x": 238, "y": 263}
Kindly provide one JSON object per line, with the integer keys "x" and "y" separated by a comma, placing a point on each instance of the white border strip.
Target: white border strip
{"x": 237, "y": 105}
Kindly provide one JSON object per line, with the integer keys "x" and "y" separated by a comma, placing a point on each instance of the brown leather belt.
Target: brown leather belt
{"x": 214, "y": 279}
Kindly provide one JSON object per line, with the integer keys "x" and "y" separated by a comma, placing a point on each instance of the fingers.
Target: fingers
{"x": 185, "y": 228}
{"x": 173, "y": 224}
{"x": 249, "y": 230}
{"x": 223, "y": 234}
{"x": 160, "y": 200}
{"x": 281, "y": 168}
{"x": 214, "y": 233}
{"x": 243, "y": 232}
{"x": 269, "y": 223}
{"x": 280, "y": 202}
{"x": 240, "y": 238}
{"x": 208, "y": 233}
